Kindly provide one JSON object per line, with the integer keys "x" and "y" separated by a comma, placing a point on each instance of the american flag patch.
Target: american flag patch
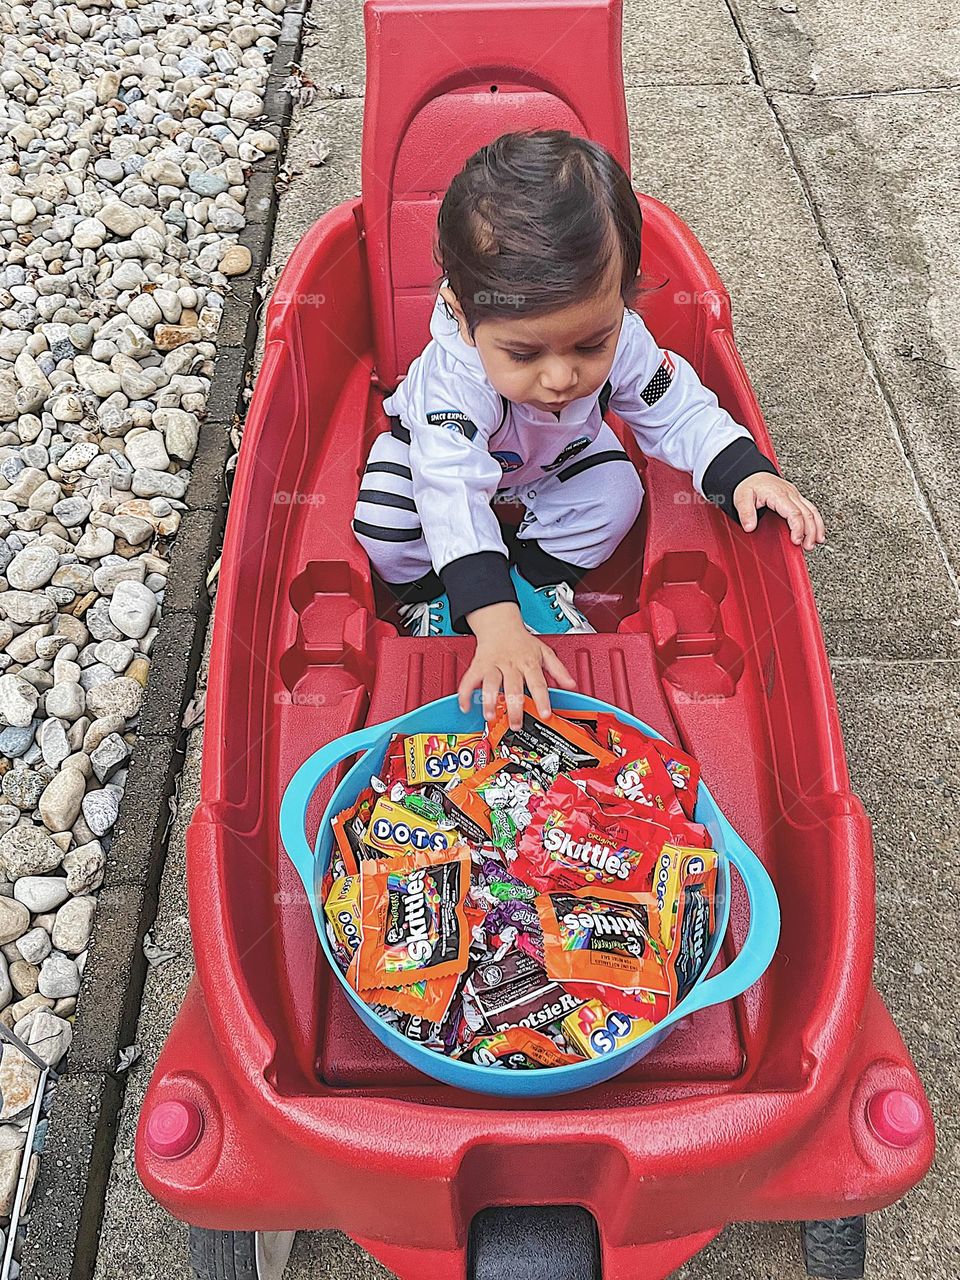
{"x": 659, "y": 384}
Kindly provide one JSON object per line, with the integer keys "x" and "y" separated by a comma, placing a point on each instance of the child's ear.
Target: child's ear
{"x": 450, "y": 298}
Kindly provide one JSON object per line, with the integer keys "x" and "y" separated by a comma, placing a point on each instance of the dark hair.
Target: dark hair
{"x": 531, "y": 223}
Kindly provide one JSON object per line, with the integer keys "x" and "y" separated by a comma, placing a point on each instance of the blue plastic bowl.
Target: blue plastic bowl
{"x": 445, "y": 716}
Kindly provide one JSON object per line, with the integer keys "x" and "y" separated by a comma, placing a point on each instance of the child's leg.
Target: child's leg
{"x": 578, "y": 516}
{"x": 387, "y": 524}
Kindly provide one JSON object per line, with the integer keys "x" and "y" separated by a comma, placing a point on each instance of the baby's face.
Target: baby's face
{"x": 548, "y": 360}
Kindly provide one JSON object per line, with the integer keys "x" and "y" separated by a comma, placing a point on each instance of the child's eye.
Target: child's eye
{"x": 524, "y": 357}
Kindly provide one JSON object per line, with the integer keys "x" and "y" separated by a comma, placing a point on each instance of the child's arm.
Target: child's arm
{"x": 679, "y": 421}
{"x": 454, "y": 479}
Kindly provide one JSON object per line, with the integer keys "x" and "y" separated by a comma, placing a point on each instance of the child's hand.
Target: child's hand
{"x": 508, "y": 654}
{"x": 763, "y": 490}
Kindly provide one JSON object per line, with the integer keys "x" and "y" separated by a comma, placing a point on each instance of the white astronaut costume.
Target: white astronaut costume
{"x": 424, "y": 513}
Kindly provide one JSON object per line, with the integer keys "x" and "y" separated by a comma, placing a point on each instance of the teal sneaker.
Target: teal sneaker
{"x": 550, "y": 610}
{"x": 427, "y": 617}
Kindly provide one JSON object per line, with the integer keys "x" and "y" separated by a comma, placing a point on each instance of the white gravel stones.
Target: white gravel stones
{"x": 14, "y": 920}
{"x": 34, "y": 946}
{"x": 18, "y": 1082}
{"x": 26, "y": 850}
{"x": 66, "y": 701}
{"x": 73, "y": 925}
{"x": 89, "y": 233}
{"x": 84, "y": 867}
{"x": 41, "y": 893}
{"x": 132, "y": 607}
{"x": 236, "y": 261}
{"x": 121, "y": 696}
{"x": 59, "y": 977}
{"x": 129, "y": 132}
{"x": 46, "y": 1034}
{"x": 33, "y": 567}
{"x": 147, "y": 449}
{"x": 18, "y": 700}
{"x": 60, "y": 802}
{"x": 54, "y": 745}
{"x": 111, "y": 755}
{"x": 101, "y": 808}
{"x": 120, "y": 218}
{"x": 22, "y": 211}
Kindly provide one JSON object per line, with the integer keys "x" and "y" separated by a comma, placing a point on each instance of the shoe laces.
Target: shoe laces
{"x": 424, "y": 618}
{"x": 560, "y": 596}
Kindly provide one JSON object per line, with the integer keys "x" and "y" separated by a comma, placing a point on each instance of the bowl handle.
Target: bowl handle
{"x": 763, "y": 932}
{"x": 300, "y": 789}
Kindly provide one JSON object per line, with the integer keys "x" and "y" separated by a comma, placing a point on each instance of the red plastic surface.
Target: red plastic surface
{"x": 757, "y": 1110}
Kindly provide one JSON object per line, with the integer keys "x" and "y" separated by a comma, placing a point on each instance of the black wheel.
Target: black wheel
{"x": 835, "y": 1248}
{"x": 239, "y": 1255}
{"x": 543, "y": 1242}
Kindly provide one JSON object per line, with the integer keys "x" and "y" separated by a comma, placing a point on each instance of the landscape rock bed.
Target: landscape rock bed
{"x": 131, "y": 132}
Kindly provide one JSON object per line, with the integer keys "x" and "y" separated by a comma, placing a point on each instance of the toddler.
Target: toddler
{"x": 533, "y": 336}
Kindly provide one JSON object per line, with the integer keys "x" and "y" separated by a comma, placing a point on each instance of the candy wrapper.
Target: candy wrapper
{"x": 516, "y": 992}
{"x": 684, "y": 773}
{"x": 426, "y": 1001}
{"x": 342, "y": 909}
{"x": 594, "y": 1030}
{"x": 414, "y": 926}
{"x": 686, "y": 892}
{"x": 435, "y": 757}
{"x": 610, "y": 939}
{"x": 516, "y": 1048}
{"x": 536, "y": 739}
{"x": 350, "y": 827}
{"x": 397, "y": 829}
{"x": 498, "y": 798}
{"x": 572, "y": 843}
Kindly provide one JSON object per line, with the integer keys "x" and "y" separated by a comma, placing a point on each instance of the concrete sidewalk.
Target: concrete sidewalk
{"x": 814, "y": 152}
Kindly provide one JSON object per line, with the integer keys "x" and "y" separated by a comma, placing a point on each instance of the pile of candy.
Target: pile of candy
{"x": 524, "y": 897}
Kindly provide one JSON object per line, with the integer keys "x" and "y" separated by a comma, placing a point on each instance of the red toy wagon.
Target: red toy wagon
{"x": 272, "y": 1108}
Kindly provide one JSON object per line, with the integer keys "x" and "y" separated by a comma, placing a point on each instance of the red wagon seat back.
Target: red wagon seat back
{"x": 439, "y": 87}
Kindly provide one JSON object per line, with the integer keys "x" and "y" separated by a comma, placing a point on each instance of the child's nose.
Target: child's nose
{"x": 558, "y": 377}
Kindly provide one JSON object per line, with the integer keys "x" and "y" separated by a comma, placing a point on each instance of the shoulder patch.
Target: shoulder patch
{"x": 453, "y": 420}
{"x": 659, "y": 384}
{"x": 508, "y": 461}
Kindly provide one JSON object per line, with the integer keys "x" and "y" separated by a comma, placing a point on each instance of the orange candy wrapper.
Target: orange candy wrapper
{"x": 427, "y": 1000}
{"x": 413, "y": 923}
{"x": 518, "y": 1048}
{"x": 613, "y": 939}
{"x": 575, "y": 745}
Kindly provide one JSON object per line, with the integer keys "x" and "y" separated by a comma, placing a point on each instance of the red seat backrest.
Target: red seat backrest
{"x": 443, "y": 79}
